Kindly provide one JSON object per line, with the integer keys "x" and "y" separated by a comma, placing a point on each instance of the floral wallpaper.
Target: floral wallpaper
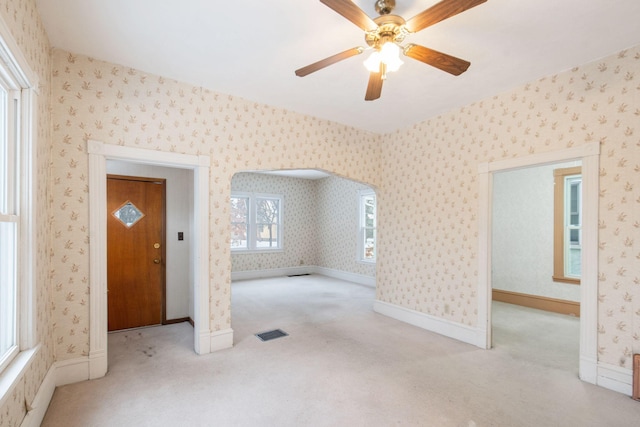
{"x": 428, "y": 200}
{"x": 338, "y": 221}
{"x": 425, "y": 179}
{"x": 23, "y": 21}
{"x": 118, "y": 105}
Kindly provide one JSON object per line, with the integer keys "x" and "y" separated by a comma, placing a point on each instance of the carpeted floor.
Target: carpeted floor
{"x": 342, "y": 365}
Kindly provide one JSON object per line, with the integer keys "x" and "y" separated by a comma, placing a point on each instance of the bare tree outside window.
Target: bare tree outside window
{"x": 239, "y": 221}
{"x": 256, "y": 222}
{"x": 267, "y": 212}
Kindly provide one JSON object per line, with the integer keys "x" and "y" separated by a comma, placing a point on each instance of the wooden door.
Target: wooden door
{"x": 135, "y": 252}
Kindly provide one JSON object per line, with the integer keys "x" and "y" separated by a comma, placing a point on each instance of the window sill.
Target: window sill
{"x": 255, "y": 251}
{"x": 366, "y": 261}
{"x": 16, "y": 369}
{"x": 566, "y": 280}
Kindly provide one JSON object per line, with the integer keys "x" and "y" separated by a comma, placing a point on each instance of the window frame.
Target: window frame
{"x": 560, "y": 226}
{"x": 362, "y": 227}
{"x": 252, "y": 222}
{"x": 18, "y": 79}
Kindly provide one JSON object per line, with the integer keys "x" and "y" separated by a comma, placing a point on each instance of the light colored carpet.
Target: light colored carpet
{"x": 342, "y": 365}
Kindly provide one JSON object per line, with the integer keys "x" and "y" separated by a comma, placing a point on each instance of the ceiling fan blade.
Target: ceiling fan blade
{"x": 328, "y": 61}
{"x": 448, "y": 63}
{"x": 439, "y": 12}
{"x": 353, "y": 13}
{"x": 374, "y": 87}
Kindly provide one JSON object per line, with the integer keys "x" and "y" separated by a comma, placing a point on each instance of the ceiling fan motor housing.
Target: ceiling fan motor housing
{"x": 384, "y": 7}
{"x": 391, "y": 28}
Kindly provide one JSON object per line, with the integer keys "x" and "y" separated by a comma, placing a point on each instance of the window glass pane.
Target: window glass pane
{"x": 267, "y": 223}
{"x": 574, "y": 202}
{"x": 8, "y": 250}
{"x": 239, "y": 212}
{"x": 267, "y": 235}
{"x": 255, "y": 222}
{"x": 369, "y": 243}
{"x": 574, "y": 262}
{"x": 369, "y": 211}
{"x": 573, "y": 233}
{"x": 4, "y": 154}
{"x": 128, "y": 214}
{"x": 574, "y": 236}
{"x": 267, "y": 211}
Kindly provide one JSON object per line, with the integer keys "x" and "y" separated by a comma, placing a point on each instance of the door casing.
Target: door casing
{"x": 205, "y": 341}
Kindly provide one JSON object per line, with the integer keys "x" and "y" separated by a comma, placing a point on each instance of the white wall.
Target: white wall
{"x": 179, "y": 214}
{"x": 522, "y": 258}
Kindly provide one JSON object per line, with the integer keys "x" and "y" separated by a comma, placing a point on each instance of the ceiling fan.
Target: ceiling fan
{"x": 384, "y": 34}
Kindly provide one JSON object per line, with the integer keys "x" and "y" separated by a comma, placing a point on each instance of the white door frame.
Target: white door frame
{"x": 99, "y": 153}
{"x": 589, "y": 154}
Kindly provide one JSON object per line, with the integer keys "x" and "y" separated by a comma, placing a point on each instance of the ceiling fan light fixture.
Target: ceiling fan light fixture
{"x": 389, "y": 55}
{"x": 372, "y": 63}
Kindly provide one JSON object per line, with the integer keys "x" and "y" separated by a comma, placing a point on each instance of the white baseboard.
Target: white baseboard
{"x": 306, "y": 269}
{"x": 221, "y": 340}
{"x": 98, "y": 364}
{"x": 615, "y": 378}
{"x": 431, "y": 323}
{"x": 38, "y": 408}
{"x": 273, "y": 272}
{"x": 72, "y": 371}
{"x": 345, "y": 275}
{"x": 588, "y": 370}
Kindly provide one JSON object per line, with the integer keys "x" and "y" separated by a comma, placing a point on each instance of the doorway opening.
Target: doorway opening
{"x": 99, "y": 154}
{"x": 319, "y": 232}
{"x": 589, "y": 155}
{"x": 534, "y": 316}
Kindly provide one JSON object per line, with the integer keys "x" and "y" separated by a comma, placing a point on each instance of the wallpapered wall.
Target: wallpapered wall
{"x": 522, "y": 238}
{"x": 320, "y": 223}
{"x": 118, "y": 105}
{"x": 426, "y": 179}
{"x": 338, "y": 203}
{"x": 23, "y": 21}
{"x": 428, "y": 209}
{"x": 298, "y": 217}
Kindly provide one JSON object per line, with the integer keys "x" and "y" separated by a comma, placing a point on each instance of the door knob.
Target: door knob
{"x": 156, "y": 261}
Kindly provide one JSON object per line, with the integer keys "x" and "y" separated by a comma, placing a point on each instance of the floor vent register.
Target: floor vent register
{"x": 272, "y": 335}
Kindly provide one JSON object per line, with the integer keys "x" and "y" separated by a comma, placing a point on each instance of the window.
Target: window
{"x": 367, "y": 231}
{"x": 256, "y": 222}
{"x": 9, "y": 219}
{"x": 15, "y": 213}
{"x": 567, "y": 225}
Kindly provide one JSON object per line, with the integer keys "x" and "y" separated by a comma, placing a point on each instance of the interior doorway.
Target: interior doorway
{"x": 534, "y": 316}
{"x": 328, "y": 228}
{"x": 135, "y": 251}
{"x": 589, "y": 155}
{"x": 99, "y": 153}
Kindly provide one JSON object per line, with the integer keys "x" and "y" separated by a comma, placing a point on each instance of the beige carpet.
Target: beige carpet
{"x": 342, "y": 365}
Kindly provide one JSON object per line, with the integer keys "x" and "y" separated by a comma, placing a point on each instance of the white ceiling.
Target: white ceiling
{"x": 250, "y": 48}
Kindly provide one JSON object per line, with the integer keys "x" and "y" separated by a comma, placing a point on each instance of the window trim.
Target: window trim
{"x": 559, "y": 206}
{"x": 16, "y": 72}
{"x": 361, "y": 226}
{"x": 252, "y": 222}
